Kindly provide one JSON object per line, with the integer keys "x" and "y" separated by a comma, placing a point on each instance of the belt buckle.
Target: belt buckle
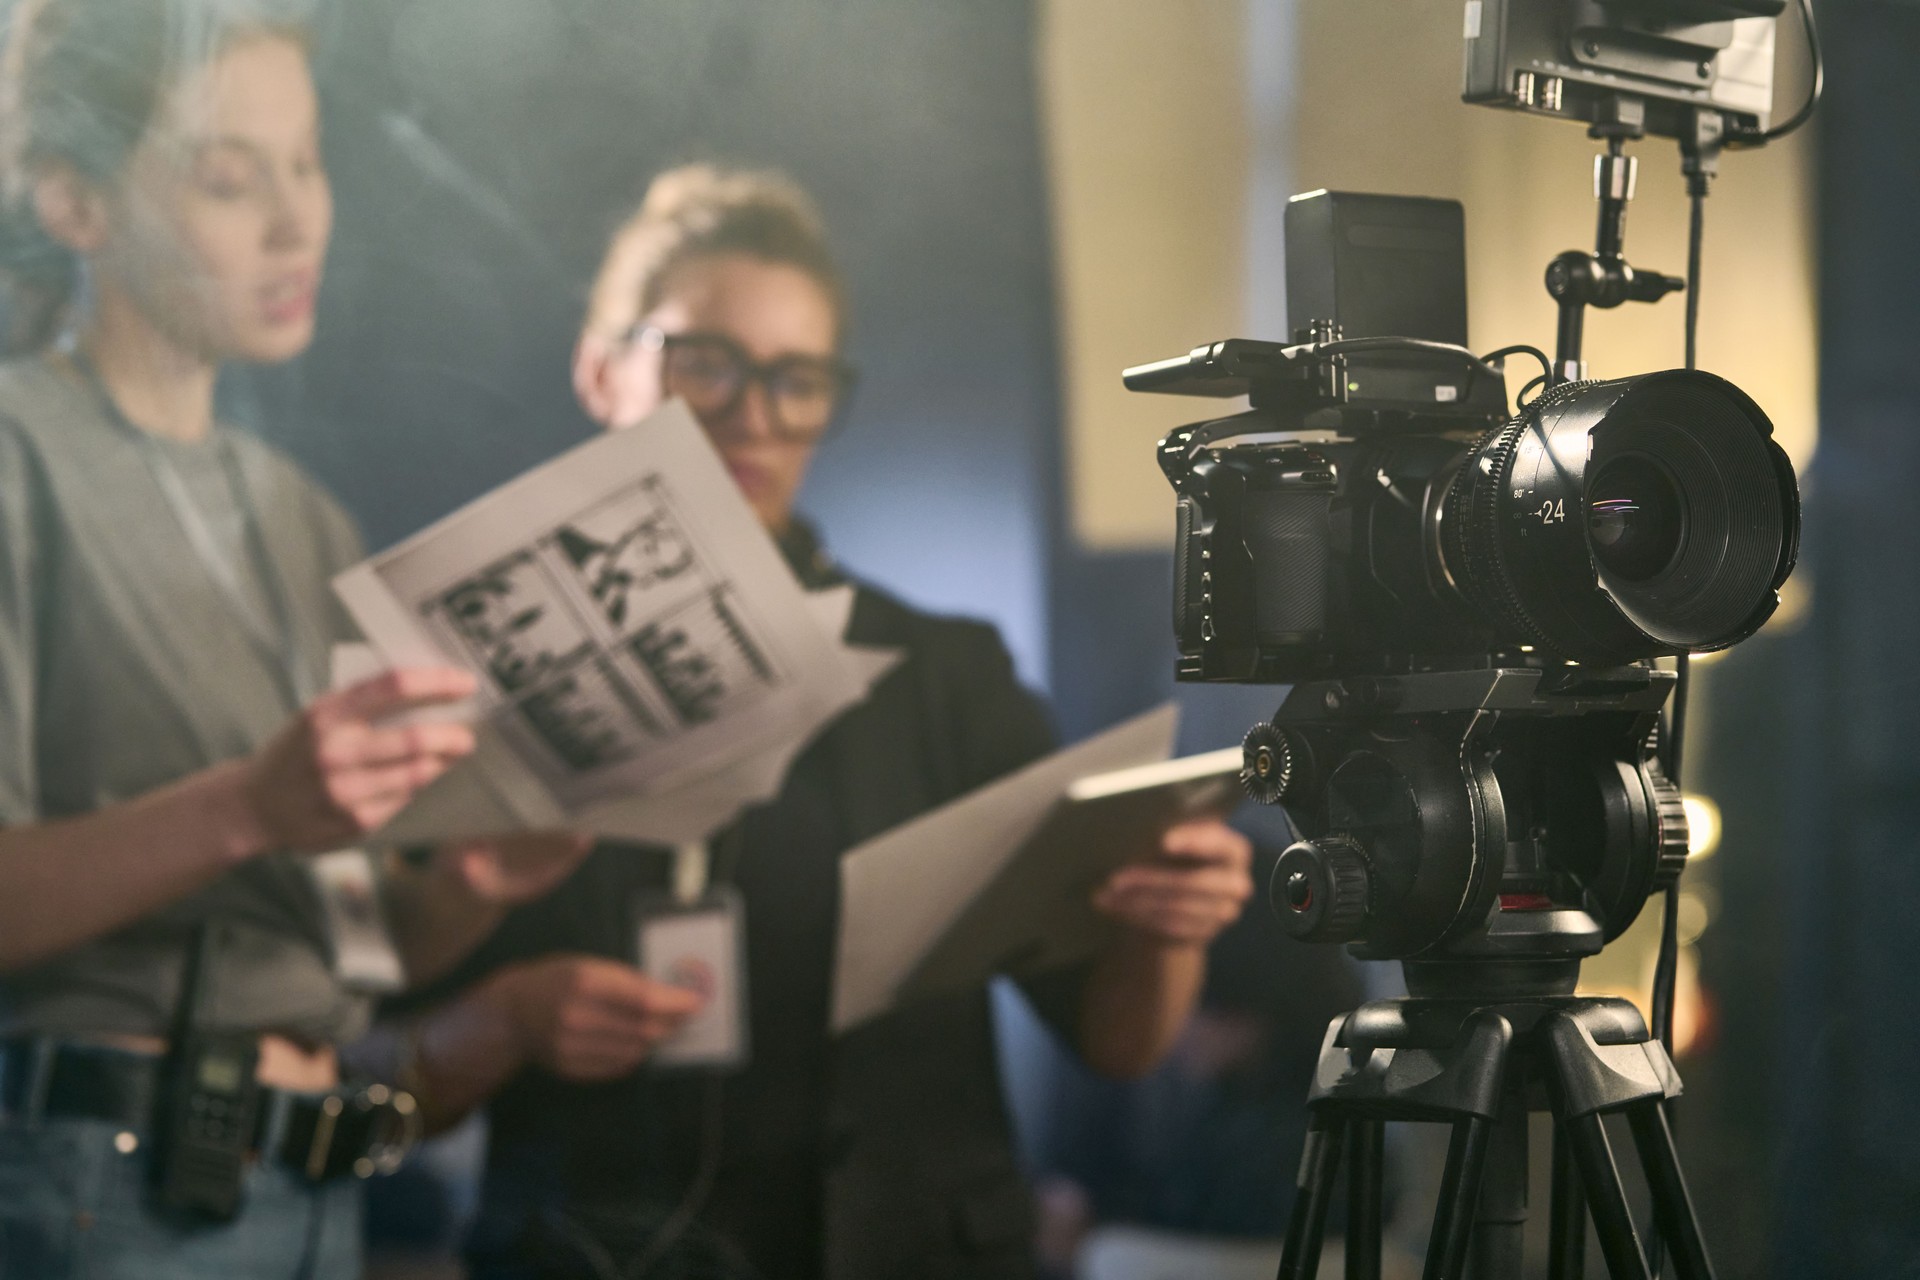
{"x": 394, "y": 1126}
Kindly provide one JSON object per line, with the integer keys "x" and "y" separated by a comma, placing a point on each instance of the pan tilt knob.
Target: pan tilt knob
{"x": 1320, "y": 889}
{"x": 1670, "y": 809}
{"x": 1268, "y": 768}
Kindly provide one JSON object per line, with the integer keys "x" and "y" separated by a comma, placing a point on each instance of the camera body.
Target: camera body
{"x": 1300, "y": 524}
{"x": 1376, "y": 511}
{"x": 1309, "y": 557}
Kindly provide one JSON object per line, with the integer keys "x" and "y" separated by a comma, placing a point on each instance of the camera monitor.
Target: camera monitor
{"x": 1648, "y": 65}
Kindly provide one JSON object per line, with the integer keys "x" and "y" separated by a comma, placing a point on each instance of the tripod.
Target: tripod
{"x": 1482, "y": 1062}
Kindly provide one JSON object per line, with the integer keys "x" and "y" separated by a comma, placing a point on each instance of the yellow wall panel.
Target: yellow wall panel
{"x": 1149, "y": 135}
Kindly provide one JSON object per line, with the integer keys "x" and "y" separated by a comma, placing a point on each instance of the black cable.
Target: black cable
{"x": 1696, "y": 225}
{"x": 699, "y": 1191}
{"x": 1814, "y": 90}
{"x": 1683, "y": 669}
{"x": 676, "y": 1224}
{"x": 1666, "y": 967}
{"x": 1673, "y": 735}
{"x": 1668, "y": 964}
{"x": 1521, "y": 349}
{"x": 1700, "y": 166}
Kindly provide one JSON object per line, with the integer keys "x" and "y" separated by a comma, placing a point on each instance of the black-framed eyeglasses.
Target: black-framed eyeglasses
{"x": 712, "y": 372}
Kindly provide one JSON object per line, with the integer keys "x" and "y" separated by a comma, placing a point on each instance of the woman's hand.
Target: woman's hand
{"x": 506, "y": 870}
{"x": 440, "y": 910}
{"x": 1146, "y": 981}
{"x": 586, "y": 1019}
{"x": 335, "y": 773}
{"x": 1189, "y": 892}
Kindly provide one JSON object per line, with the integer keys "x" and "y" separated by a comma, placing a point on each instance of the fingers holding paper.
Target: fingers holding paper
{"x": 586, "y": 1019}
{"x": 1186, "y": 894}
{"x": 337, "y": 771}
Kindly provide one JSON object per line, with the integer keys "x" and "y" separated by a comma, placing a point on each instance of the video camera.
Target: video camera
{"x": 1469, "y": 604}
{"x": 1377, "y": 511}
{"x": 1466, "y": 599}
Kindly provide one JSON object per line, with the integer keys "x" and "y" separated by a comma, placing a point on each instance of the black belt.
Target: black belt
{"x": 359, "y": 1131}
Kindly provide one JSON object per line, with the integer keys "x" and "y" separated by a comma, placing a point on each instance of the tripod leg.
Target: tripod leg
{"x": 1672, "y": 1206}
{"x": 1459, "y": 1195}
{"x": 1367, "y": 1139}
{"x": 1319, "y": 1165}
{"x": 1567, "y": 1244}
{"x": 1606, "y": 1198}
{"x": 1500, "y": 1218}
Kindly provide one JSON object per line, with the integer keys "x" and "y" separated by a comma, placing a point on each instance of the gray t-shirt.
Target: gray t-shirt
{"x": 124, "y": 666}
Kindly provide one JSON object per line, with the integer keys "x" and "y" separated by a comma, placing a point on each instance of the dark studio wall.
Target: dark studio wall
{"x": 1847, "y": 1170}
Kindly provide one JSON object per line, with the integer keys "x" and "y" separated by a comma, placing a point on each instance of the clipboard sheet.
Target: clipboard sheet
{"x": 1038, "y": 913}
{"x": 905, "y": 890}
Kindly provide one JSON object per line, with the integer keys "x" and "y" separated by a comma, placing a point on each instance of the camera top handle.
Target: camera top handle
{"x": 1312, "y": 373}
{"x": 1247, "y": 367}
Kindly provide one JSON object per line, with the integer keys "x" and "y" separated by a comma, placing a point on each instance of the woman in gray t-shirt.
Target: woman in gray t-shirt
{"x": 168, "y": 751}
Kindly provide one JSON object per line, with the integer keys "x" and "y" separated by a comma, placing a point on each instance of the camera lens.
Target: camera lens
{"x": 1635, "y": 517}
{"x": 1614, "y": 521}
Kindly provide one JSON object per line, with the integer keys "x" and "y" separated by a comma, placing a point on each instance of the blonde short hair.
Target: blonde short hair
{"x": 700, "y": 210}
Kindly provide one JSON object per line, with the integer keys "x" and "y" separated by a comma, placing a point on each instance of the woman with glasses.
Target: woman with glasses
{"x": 885, "y": 1152}
{"x": 721, "y": 292}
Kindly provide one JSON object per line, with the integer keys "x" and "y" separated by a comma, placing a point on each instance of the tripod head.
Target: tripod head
{"x": 1472, "y": 823}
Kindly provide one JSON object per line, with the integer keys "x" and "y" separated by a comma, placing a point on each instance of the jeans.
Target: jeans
{"x": 75, "y": 1206}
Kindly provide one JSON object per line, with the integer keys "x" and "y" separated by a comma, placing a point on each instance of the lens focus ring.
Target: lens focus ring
{"x": 1615, "y": 521}
{"x": 1473, "y": 525}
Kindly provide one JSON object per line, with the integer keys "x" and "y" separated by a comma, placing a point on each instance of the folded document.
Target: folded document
{"x": 648, "y": 666}
{"x": 1001, "y": 880}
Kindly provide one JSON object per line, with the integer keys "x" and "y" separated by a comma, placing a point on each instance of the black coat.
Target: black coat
{"x": 883, "y": 1153}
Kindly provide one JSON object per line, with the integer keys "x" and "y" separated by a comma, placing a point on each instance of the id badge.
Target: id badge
{"x": 700, "y": 945}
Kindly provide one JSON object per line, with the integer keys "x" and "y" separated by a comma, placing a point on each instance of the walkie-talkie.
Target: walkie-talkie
{"x": 209, "y": 1101}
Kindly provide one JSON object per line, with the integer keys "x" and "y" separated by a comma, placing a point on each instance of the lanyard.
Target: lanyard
{"x": 272, "y": 635}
